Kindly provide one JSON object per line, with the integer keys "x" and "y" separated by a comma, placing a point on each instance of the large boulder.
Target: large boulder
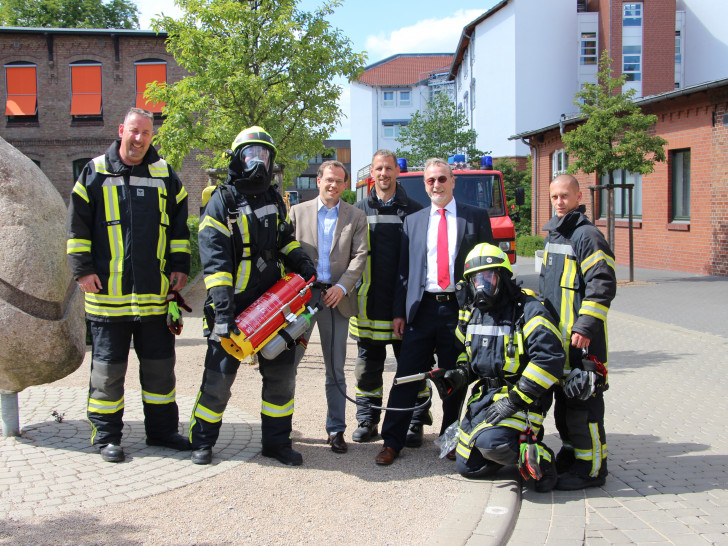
{"x": 42, "y": 323}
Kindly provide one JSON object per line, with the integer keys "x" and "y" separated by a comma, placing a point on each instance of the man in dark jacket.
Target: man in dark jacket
{"x": 128, "y": 244}
{"x": 245, "y": 236}
{"x": 386, "y": 207}
{"x": 577, "y": 285}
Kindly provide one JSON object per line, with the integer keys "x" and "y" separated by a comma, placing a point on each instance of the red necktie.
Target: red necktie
{"x": 443, "y": 256}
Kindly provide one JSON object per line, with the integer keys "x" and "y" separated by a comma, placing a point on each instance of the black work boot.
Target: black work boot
{"x": 366, "y": 432}
{"x": 415, "y": 435}
{"x": 173, "y": 441}
{"x": 202, "y": 455}
{"x": 284, "y": 454}
{"x": 111, "y": 453}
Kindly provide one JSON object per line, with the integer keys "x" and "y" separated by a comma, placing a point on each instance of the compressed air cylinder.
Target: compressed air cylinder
{"x": 290, "y": 333}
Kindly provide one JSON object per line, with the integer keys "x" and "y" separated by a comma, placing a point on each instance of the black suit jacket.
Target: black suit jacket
{"x": 473, "y": 227}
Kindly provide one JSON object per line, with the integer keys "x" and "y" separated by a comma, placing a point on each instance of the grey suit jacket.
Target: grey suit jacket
{"x": 349, "y": 249}
{"x": 473, "y": 227}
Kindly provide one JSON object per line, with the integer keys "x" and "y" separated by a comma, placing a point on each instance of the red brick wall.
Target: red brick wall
{"x": 54, "y": 141}
{"x": 701, "y": 246}
{"x": 658, "y": 47}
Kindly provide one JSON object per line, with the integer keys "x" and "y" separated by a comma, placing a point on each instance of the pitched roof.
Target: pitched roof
{"x": 406, "y": 69}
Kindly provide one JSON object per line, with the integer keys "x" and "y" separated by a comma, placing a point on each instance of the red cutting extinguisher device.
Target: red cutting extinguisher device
{"x": 275, "y": 309}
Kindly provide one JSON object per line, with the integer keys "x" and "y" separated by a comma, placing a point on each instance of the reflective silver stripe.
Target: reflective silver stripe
{"x": 246, "y": 210}
{"x": 146, "y": 182}
{"x": 115, "y": 181}
{"x": 384, "y": 219}
{"x": 482, "y": 330}
{"x": 266, "y": 210}
{"x": 553, "y": 248}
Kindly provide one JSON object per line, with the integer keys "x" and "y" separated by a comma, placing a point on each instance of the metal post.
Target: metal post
{"x": 10, "y": 416}
{"x": 610, "y": 216}
{"x": 631, "y": 235}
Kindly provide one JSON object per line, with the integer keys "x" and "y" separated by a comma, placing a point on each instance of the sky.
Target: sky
{"x": 382, "y": 28}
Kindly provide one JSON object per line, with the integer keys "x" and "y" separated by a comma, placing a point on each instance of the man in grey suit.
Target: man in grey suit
{"x": 334, "y": 235}
{"x": 435, "y": 243}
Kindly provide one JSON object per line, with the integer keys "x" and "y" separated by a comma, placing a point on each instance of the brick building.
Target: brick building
{"x": 680, "y": 210}
{"x": 67, "y": 90}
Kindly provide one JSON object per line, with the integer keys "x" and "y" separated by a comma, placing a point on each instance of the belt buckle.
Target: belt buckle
{"x": 442, "y": 297}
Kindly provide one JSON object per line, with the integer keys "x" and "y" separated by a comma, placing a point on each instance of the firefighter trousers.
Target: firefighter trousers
{"x": 368, "y": 371}
{"x": 154, "y": 347}
{"x": 279, "y": 383}
{"x": 581, "y": 428}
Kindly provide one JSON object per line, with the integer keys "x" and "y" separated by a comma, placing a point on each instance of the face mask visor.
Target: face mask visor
{"x": 486, "y": 282}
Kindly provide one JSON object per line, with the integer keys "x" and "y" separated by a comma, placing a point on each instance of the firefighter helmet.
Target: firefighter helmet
{"x": 254, "y": 135}
{"x": 253, "y": 156}
{"x": 485, "y": 268}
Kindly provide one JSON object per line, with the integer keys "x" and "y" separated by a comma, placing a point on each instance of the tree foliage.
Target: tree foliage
{"x": 615, "y": 135}
{"x": 512, "y": 179}
{"x": 69, "y": 13}
{"x": 440, "y": 131}
{"x": 262, "y": 63}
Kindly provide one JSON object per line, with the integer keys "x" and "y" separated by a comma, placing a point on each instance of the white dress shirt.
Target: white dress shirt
{"x": 452, "y": 234}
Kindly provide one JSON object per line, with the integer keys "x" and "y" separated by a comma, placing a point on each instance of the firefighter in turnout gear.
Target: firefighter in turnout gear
{"x": 577, "y": 285}
{"x": 386, "y": 208}
{"x": 245, "y": 241}
{"x": 513, "y": 352}
{"x": 128, "y": 244}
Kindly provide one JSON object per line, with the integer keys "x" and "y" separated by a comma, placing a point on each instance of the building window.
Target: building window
{"x": 466, "y": 63}
{"x": 22, "y": 97}
{"x": 632, "y": 62}
{"x": 680, "y": 185}
{"x": 588, "y": 49}
{"x": 388, "y": 98}
{"x": 78, "y": 165}
{"x": 632, "y": 14}
{"x": 405, "y": 98}
{"x": 391, "y": 129}
{"x": 621, "y": 195}
{"x": 148, "y": 71}
{"x": 86, "y": 101}
{"x": 320, "y": 158}
{"x": 306, "y": 183}
{"x": 559, "y": 163}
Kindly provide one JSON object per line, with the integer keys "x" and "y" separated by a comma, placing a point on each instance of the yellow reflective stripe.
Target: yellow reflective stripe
{"x": 368, "y": 333}
{"x": 130, "y": 304}
{"x": 510, "y": 364}
{"x": 535, "y": 322}
{"x": 159, "y": 169}
{"x": 124, "y": 310}
{"x": 206, "y": 414}
{"x": 246, "y": 265}
{"x": 116, "y": 238}
{"x": 100, "y": 164}
{"x": 290, "y": 246}
{"x": 152, "y": 398}
{"x": 594, "y": 309}
{"x": 593, "y": 259}
{"x": 80, "y": 190}
{"x": 271, "y": 410}
{"x": 522, "y": 395}
{"x": 181, "y": 195}
{"x": 141, "y": 299}
{"x": 366, "y": 281}
{"x": 539, "y": 375}
{"x": 374, "y": 394}
{"x": 105, "y": 406}
{"x": 209, "y": 222}
{"x": 180, "y": 245}
{"x": 222, "y": 278}
{"x": 78, "y": 245}
{"x": 425, "y": 392}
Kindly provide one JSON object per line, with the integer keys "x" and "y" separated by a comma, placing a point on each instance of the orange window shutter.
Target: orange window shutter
{"x": 22, "y": 91}
{"x": 85, "y": 90}
{"x": 146, "y": 74}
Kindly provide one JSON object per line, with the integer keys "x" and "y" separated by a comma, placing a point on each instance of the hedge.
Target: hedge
{"x": 527, "y": 245}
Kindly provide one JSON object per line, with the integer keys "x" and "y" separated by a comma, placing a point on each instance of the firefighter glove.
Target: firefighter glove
{"x": 451, "y": 382}
{"x": 581, "y": 384}
{"x": 224, "y": 330}
{"x": 174, "y": 315}
{"x": 308, "y": 272}
{"x": 503, "y": 408}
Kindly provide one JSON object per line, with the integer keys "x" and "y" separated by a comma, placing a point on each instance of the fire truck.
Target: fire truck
{"x": 481, "y": 188}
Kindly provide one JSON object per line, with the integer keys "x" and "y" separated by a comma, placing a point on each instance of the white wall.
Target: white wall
{"x": 363, "y": 126}
{"x": 706, "y": 40}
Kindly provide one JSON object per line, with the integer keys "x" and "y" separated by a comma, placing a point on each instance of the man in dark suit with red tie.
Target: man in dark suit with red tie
{"x": 435, "y": 242}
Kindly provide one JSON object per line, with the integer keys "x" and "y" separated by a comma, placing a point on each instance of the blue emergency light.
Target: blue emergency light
{"x": 402, "y": 162}
{"x": 486, "y": 163}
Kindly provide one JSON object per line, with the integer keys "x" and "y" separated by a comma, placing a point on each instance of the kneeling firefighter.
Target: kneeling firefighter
{"x": 245, "y": 240}
{"x": 513, "y": 351}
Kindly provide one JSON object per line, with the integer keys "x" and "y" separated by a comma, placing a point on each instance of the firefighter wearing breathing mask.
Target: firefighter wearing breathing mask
{"x": 245, "y": 241}
{"x": 514, "y": 355}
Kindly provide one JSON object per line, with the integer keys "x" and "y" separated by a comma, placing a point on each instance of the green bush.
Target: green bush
{"x": 527, "y": 245}
{"x": 193, "y": 223}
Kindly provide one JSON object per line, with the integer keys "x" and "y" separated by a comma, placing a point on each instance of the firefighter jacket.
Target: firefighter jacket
{"x": 235, "y": 277}
{"x": 128, "y": 225}
{"x": 373, "y": 323}
{"x": 578, "y": 281}
{"x": 514, "y": 347}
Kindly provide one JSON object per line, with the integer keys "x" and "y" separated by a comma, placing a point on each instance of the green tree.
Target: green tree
{"x": 512, "y": 179}
{"x": 262, "y": 63}
{"x": 615, "y": 134}
{"x": 69, "y": 13}
{"x": 349, "y": 196}
{"x": 440, "y": 131}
